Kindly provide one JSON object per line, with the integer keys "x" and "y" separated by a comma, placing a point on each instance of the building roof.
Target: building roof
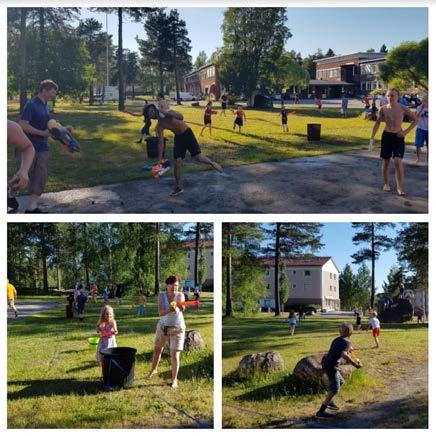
{"x": 367, "y": 61}
{"x": 297, "y": 261}
{"x": 359, "y": 55}
{"x": 191, "y": 243}
{"x": 200, "y": 69}
{"x": 314, "y": 82}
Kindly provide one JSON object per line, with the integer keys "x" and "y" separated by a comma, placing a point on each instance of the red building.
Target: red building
{"x": 349, "y": 73}
{"x": 203, "y": 82}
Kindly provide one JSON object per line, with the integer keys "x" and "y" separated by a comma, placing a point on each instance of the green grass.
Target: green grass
{"x": 403, "y": 347}
{"x": 109, "y": 153}
{"x": 53, "y": 377}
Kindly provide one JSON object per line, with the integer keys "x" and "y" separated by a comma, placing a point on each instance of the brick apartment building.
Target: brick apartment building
{"x": 203, "y": 82}
{"x": 353, "y": 73}
{"x": 313, "y": 281}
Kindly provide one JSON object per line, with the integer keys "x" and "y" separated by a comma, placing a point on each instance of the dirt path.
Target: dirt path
{"x": 336, "y": 183}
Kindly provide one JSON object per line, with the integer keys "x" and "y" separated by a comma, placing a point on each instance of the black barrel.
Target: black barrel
{"x": 314, "y": 132}
{"x": 118, "y": 366}
{"x": 153, "y": 147}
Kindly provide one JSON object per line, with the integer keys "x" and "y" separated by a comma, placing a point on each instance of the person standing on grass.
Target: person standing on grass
{"x": 292, "y": 321}
{"x": 393, "y": 142}
{"x": 344, "y": 105}
{"x": 34, "y": 122}
{"x": 142, "y": 301}
{"x": 240, "y": 118}
{"x": 318, "y": 104}
{"x": 208, "y": 112}
{"x": 223, "y": 104}
{"x": 12, "y": 296}
{"x": 339, "y": 349}
{"x": 81, "y": 301}
{"x": 170, "y": 328}
{"x": 421, "y": 137}
{"x": 107, "y": 329}
{"x": 24, "y": 147}
{"x": 375, "y": 327}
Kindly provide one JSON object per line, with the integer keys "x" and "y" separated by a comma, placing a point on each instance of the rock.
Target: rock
{"x": 193, "y": 341}
{"x": 263, "y": 362}
{"x": 309, "y": 372}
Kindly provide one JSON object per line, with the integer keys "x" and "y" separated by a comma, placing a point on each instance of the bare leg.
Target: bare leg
{"x": 417, "y": 154}
{"x": 210, "y": 129}
{"x": 178, "y": 171}
{"x": 155, "y": 362}
{"x": 202, "y": 130}
{"x": 204, "y": 159}
{"x": 385, "y": 172}
{"x": 399, "y": 175}
{"x": 33, "y": 204}
{"x": 175, "y": 365}
{"x": 377, "y": 343}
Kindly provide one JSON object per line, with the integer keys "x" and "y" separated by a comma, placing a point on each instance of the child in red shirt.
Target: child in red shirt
{"x": 240, "y": 117}
{"x": 208, "y": 112}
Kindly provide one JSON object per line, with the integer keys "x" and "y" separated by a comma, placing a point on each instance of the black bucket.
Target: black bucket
{"x": 118, "y": 367}
{"x": 153, "y": 147}
{"x": 314, "y": 132}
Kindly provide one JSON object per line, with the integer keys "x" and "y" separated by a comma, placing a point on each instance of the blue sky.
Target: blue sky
{"x": 345, "y": 30}
{"x": 337, "y": 240}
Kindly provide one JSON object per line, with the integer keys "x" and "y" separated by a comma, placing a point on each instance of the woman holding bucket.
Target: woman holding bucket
{"x": 170, "y": 328}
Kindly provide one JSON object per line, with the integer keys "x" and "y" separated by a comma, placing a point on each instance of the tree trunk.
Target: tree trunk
{"x": 23, "y": 59}
{"x": 161, "y": 82}
{"x": 373, "y": 265}
{"x": 197, "y": 244}
{"x": 44, "y": 260}
{"x": 120, "y": 61}
{"x": 229, "y": 284}
{"x": 91, "y": 94}
{"x": 175, "y": 73}
{"x": 133, "y": 91}
{"x": 157, "y": 261}
{"x": 42, "y": 43}
{"x": 276, "y": 271}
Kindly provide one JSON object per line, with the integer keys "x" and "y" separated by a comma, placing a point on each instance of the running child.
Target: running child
{"x": 339, "y": 348}
{"x": 208, "y": 112}
{"x": 421, "y": 137}
{"x": 318, "y": 103}
{"x": 292, "y": 321}
{"x": 147, "y": 123}
{"x": 107, "y": 329}
{"x": 240, "y": 118}
{"x": 375, "y": 327}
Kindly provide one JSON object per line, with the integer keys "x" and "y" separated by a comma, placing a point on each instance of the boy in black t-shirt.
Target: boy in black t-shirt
{"x": 339, "y": 348}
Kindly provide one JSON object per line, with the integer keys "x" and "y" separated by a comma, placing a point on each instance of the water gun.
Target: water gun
{"x": 194, "y": 303}
{"x": 160, "y": 168}
{"x": 63, "y": 135}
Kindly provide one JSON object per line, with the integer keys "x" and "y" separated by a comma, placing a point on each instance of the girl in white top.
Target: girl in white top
{"x": 170, "y": 328}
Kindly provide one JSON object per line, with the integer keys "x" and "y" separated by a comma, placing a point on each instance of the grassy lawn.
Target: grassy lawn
{"x": 53, "y": 377}
{"x": 404, "y": 348}
{"x": 109, "y": 153}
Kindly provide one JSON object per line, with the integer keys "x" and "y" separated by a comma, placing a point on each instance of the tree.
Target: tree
{"x": 290, "y": 240}
{"x": 243, "y": 277}
{"x": 309, "y": 62}
{"x": 132, "y": 72}
{"x": 407, "y": 64}
{"x": 411, "y": 246}
{"x": 202, "y": 268}
{"x": 363, "y": 286}
{"x": 201, "y": 60}
{"x": 289, "y": 72}
{"x": 347, "y": 286}
{"x": 371, "y": 233}
{"x": 180, "y": 47}
{"x": 284, "y": 286}
{"x": 330, "y": 53}
{"x": 383, "y": 49}
{"x": 253, "y": 38}
{"x": 370, "y": 50}
{"x": 394, "y": 279}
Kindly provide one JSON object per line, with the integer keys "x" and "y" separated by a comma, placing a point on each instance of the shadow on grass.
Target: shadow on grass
{"x": 91, "y": 364}
{"x": 38, "y": 388}
{"x": 202, "y": 368}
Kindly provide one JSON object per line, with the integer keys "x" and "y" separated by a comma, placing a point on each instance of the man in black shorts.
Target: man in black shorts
{"x": 184, "y": 140}
{"x": 392, "y": 141}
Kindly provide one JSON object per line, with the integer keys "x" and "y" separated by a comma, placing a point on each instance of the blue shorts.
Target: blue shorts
{"x": 421, "y": 138}
{"x": 335, "y": 380}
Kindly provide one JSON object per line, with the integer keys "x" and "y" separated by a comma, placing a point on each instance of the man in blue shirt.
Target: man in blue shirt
{"x": 34, "y": 119}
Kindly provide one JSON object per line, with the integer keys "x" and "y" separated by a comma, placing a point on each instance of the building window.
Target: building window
{"x": 307, "y": 286}
{"x": 294, "y": 286}
{"x": 294, "y": 272}
{"x": 267, "y": 272}
{"x": 331, "y": 275}
{"x": 334, "y": 276}
{"x": 331, "y": 288}
{"x": 267, "y": 285}
{"x": 307, "y": 272}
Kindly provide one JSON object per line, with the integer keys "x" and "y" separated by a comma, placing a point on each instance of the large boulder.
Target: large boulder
{"x": 193, "y": 341}
{"x": 308, "y": 371}
{"x": 261, "y": 362}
